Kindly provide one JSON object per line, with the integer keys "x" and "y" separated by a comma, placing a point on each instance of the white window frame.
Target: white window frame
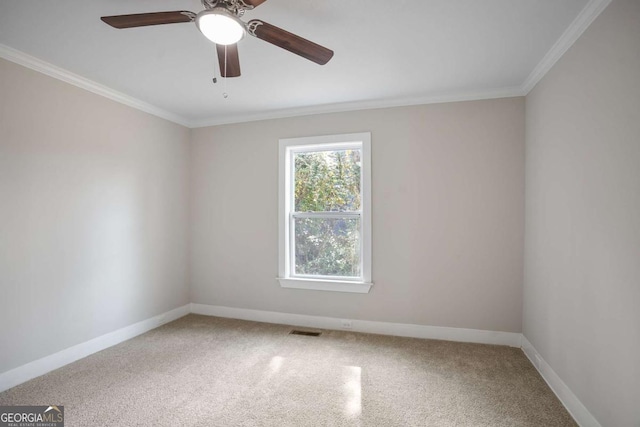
{"x": 288, "y": 147}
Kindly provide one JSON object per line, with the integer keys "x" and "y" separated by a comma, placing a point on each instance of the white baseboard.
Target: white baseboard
{"x": 578, "y": 411}
{"x": 511, "y": 339}
{"x": 57, "y": 360}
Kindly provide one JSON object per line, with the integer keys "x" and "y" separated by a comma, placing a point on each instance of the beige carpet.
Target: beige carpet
{"x": 208, "y": 371}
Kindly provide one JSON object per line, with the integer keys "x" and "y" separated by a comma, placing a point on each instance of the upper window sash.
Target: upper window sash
{"x": 318, "y": 148}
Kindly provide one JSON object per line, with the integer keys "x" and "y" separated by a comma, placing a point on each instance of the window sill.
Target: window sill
{"x": 326, "y": 285}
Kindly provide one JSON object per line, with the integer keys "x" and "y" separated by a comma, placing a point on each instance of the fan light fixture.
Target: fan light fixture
{"x": 220, "y": 26}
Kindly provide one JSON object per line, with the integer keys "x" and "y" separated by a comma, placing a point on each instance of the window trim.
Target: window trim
{"x": 318, "y": 143}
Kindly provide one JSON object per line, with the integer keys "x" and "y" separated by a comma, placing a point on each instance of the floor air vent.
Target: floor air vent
{"x": 305, "y": 333}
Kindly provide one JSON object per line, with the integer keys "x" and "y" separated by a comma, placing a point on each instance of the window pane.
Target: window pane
{"x": 327, "y": 246}
{"x": 327, "y": 181}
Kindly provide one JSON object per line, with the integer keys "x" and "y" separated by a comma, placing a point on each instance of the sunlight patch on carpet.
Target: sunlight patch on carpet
{"x": 353, "y": 391}
{"x": 275, "y": 364}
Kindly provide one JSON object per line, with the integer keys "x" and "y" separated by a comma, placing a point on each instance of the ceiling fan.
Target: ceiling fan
{"x": 220, "y": 22}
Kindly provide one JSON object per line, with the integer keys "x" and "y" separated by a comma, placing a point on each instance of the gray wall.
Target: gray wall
{"x": 93, "y": 215}
{"x": 582, "y": 276}
{"x": 448, "y": 215}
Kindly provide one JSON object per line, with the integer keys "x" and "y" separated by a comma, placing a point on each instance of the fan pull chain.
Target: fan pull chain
{"x": 215, "y": 75}
{"x": 224, "y": 94}
{"x": 215, "y": 67}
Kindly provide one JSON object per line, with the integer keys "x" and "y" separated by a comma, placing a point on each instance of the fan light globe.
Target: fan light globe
{"x": 220, "y": 26}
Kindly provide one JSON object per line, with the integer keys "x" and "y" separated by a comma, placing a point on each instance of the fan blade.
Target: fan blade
{"x": 144, "y": 19}
{"x": 254, "y": 3}
{"x": 289, "y": 41}
{"x": 232, "y": 68}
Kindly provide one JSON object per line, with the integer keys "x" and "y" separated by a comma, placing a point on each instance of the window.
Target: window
{"x": 325, "y": 213}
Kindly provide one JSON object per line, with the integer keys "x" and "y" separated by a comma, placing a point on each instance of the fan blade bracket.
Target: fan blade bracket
{"x": 289, "y": 41}
{"x": 252, "y": 26}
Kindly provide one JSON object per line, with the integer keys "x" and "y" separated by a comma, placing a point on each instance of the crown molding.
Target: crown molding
{"x": 21, "y": 58}
{"x": 508, "y": 92}
{"x": 51, "y": 70}
{"x": 590, "y": 12}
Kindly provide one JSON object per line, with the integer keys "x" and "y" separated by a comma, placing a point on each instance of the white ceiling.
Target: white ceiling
{"x": 386, "y": 53}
